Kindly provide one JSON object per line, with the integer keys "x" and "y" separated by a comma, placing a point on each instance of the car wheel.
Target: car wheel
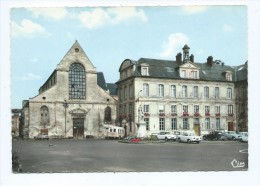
{"x": 188, "y": 141}
{"x": 179, "y": 140}
{"x": 198, "y": 142}
{"x": 204, "y": 137}
{"x": 233, "y": 138}
{"x": 166, "y": 139}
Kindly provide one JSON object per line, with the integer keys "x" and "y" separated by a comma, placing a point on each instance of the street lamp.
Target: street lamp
{"x": 65, "y": 105}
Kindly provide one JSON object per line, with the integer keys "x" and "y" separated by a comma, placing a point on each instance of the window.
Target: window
{"x": 107, "y": 114}
{"x": 207, "y": 109}
{"x": 77, "y": 81}
{"x": 196, "y": 109}
{"x": 185, "y": 108}
{"x": 130, "y": 91}
{"x": 229, "y": 76}
{"x": 185, "y": 123}
{"x": 146, "y": 120}
{"x": 230, "y": 109}
{"x": 229, "y": 93}
{"x": 173, "y": 109}
{"x": 145, "y": 71}
{"x": 196, "y": 120}
{"x": 161, "y": 90}
{"x": 195, "y": 91}
{"x": 217, "y": 109}
{"x": 44, "y": 116}
{"x": 174, "y": 123}
{"x": 207, "y": 123}
{"x": 161, "y": 124}
{"x": 217, "y": 123}
{"x": 217, "y": 92}
{"x": 145, "y": 89}
{"x": 184, "y": 91}
{"x": 206, "y": 92}
{"x": 121, "y": 94}
{"x": 173, "y": 91}
{"x": 125, "y": 92}
{"x": 183, "y": 73}
{"x": 146, "y": 108}
{"x": 130, "y": 109}
{"x": 194, "y": 74}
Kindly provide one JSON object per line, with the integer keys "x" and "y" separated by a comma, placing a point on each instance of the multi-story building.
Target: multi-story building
{"x": 178, "y": 94}
{"x": 75, "y": 101}
{"x": 15, "y": 121}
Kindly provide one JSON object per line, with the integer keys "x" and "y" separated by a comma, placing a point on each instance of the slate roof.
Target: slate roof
{"x": 241, "y": 72}
{"x": 112, "y": 88}
{"x": 170, "y": 69}
{"x": 106, "y": 86}
{"x": 101, "y": 80}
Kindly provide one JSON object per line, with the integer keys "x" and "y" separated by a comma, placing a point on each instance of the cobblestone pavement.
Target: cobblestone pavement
{"x": 90, "y": 155}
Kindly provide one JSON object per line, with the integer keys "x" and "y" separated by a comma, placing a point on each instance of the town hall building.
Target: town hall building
{"x": 182, "y": 94}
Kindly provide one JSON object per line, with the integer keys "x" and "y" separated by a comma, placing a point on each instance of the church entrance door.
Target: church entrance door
{"x": 78, "y": 128}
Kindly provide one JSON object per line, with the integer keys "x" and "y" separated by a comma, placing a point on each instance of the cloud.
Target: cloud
{"x": 99, "y": 17}
{"x": 193, "y": 9}
{"x": 173, "y": 45}
{"x": 126, "y": 13}
{"x": 50, "y": 13}
{"x": 30, "y": 76}
{"x": 227, "y": 28}
{"x": 27, "y": 28}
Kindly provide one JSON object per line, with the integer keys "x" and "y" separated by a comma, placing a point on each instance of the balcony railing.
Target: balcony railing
{"x": 217, "y": 114}
{"x": 196, "y": 114}
{"x": 207, "y": 114}
{"x": 185, "y": 114}
{"x": 230, "y": 114}
{"x": 146, "y": 114}
{"x": 161, "y": 114}
{"x": 173, "y": 114}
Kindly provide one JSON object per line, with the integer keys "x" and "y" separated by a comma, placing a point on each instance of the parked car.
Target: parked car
{"x": 166, "y": 136}
{"x": 232, "y": 135}
{"x": 189, "y": 137}
{"x": 214, "y": 135}
{"x": 41, "y": 137}
{"x": 223, "y": 137}
{"x": 244, "y": 138}
{"x": 241, "y": 134}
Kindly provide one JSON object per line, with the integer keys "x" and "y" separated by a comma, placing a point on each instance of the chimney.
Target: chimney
{"x": 192, "y": 58}
{"x": 210, "y": 61}
{"x": 178, "y": 58}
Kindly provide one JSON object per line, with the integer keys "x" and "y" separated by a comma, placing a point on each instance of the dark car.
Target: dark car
{"x": 214, "y": 135}
{"x": 41, "y": 137}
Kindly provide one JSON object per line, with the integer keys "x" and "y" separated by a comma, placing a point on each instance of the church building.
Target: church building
{"x": 74, "y": 102}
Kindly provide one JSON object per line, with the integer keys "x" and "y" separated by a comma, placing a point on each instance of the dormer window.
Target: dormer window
{"x": 228, "y": 76}
{"x": 145, "y": 71}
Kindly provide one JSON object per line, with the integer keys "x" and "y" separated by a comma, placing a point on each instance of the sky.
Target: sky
{"x": 40, "y": 38}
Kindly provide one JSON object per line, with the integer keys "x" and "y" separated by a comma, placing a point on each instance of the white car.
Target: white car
{"x": 244, "y": 137}
{"x": 232, "y": 135}
{"x": 164, "y": 135}
{"x": 241, "y": 134}
{"x": 189, "y": 137}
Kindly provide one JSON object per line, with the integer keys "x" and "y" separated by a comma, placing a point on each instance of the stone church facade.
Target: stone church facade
{"x": 74, "y": 102}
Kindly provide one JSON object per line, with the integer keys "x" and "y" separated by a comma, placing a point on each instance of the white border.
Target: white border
{"x": 250, "y": 177}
